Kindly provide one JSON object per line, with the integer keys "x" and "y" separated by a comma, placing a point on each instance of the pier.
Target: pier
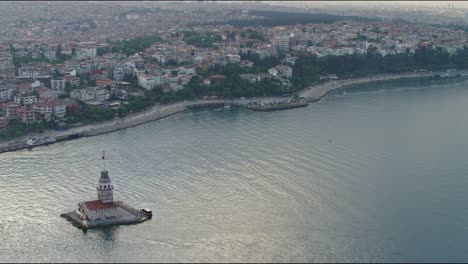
{"x": 278, "y": 106}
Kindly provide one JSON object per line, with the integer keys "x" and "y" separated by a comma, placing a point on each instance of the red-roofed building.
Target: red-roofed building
{"x": 25, "y": 88}
{"x": 98, "y": 205}
{"x": 97, "y": 75}
{"x": 46, "y": 93}
{"x": 97, "y": 72}
{"x": 12, "y": 109}
{"x": 43, "y": 108}
{"x": 217, "y": 79}
{"x": 103, "y": 83}
{"x": 26, "y": 114}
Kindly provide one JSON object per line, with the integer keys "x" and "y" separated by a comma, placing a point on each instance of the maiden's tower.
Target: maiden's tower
{"x": 105, "y": 211}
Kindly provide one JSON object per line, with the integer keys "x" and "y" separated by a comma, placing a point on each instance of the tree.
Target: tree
{"x": 121, "y": 111}
{"x": 100, "y": 51}
{"x": 68, "y": 87}
{"x": 58, "y": 53}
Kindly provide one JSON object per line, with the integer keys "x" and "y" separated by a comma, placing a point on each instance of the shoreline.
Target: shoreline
{"x": 316, "y": 92}
{"x": 311, "y": 94}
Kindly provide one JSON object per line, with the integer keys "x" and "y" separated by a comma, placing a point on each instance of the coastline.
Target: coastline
{"x": 311, "y": 94}
{"x": 316, "y": 92}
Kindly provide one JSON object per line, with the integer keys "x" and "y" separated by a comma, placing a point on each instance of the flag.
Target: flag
{"x": 103, "y": 154}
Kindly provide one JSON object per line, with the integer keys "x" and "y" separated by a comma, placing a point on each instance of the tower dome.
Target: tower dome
{"x": 104, "y": 188}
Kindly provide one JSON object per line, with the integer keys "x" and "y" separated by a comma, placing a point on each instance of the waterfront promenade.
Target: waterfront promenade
{"x": 311, "y": 94}
{"x": 152, "y": 114}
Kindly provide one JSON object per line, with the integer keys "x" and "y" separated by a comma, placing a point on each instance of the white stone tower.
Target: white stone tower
{"x": 104, "y": 188}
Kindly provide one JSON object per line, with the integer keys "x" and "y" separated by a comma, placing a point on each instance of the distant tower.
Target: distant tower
{"x": 104, "y": 188}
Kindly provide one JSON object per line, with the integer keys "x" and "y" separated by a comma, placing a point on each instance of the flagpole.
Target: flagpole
{"x": 104, "y": 158}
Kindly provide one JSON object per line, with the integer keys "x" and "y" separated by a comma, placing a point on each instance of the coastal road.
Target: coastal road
{"x": 133, "y": 119}
{"x": 312, "y": 93}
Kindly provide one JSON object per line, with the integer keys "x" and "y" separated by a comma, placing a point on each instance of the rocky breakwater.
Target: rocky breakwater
{"x": 281, "y": 105}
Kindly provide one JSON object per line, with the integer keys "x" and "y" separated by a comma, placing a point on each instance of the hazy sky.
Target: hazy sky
{"x": 459, "y": 4}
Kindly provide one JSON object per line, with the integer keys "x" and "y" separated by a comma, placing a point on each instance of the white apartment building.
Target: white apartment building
{"x": 58, "y": 84}
{"x": 86, "y": 53}
{"x": 283, "y": 43}
{"x": 147, "y": 81}
{"x": 26, "y": 100}
{"x": 50, "y": 55}
{"x": 150, "y": 81}
{"x": 90, "y": 94}
{"x": 6, "y": 91}
{"x": 85, "y": 95}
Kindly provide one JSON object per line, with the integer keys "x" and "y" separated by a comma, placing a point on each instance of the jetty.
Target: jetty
{"x": 282, "y": 105}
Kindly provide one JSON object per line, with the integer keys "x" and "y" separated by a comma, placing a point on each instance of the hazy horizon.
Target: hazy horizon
{"x": 456, "y": 4}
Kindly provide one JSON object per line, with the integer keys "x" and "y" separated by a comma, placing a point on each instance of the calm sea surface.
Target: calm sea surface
{"x": 236, "y": 185}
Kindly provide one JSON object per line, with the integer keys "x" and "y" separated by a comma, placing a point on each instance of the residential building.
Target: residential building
{"x": 25, "y": 99}
{"x": 45, "y": 93}
{"x": 90, "y": 94}
{"x": 217, "y": 79}
{"x": 12, "y": 109}
{"x": 281, "y": 71}
{"x": 72, "y": 80}
{"x": 43, "y": 108}
{"x": 86, "y": 53}
{"x": 119, "y": 73}
{"x": 85, "y": 95}
{"x": 50, "y": 55}
{"x": 58, "y": 84}
{"x": 103, "y": 83}
{"x": 147, "y": 81}
{"x": 26, "y": 114}
{"x": 6, "y": 91}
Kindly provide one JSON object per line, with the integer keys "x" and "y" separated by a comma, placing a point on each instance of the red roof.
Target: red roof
{"x": 98, "y": 205}
{"x": 96, "y": 72}
{"x": 25, "y": 86}
{"x": 217, "y": 76}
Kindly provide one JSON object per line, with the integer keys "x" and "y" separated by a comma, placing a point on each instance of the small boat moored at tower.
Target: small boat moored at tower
{"x": 147, "y": 212}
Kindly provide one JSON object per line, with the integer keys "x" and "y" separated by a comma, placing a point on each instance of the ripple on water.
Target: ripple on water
{"x": 244, "y": 186}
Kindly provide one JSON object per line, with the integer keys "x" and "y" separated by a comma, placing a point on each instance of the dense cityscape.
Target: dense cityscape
{"x": 99, "y": 63}
{"x": 233, "y": 131}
